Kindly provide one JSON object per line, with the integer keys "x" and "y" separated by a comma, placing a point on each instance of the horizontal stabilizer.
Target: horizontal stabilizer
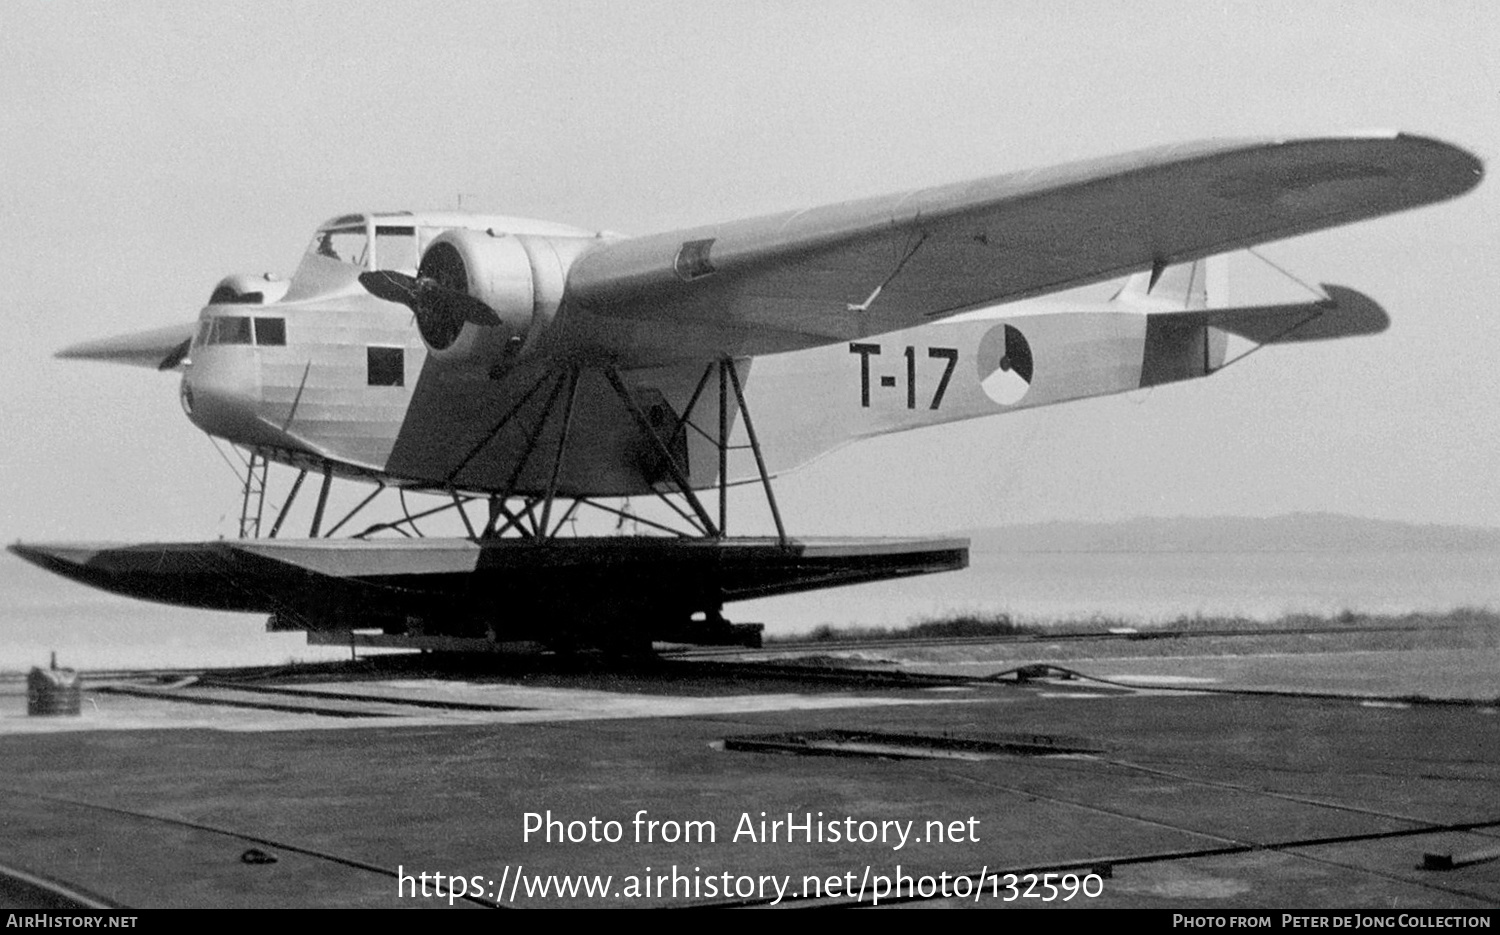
{"x": 1345, "y": 313}
{"x": 160, "y": 348}
{"x": 1188, "y": 344}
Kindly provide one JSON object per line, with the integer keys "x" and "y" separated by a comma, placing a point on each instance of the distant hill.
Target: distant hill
{"x": 1298, "y": 532}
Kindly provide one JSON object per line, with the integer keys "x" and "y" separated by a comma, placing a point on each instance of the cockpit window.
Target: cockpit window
{"x": 270, "y": 332}
{"x": 345, "y": 244}
{"x": 230, "y": 329}
{"x": 396, "y": 248}
{"x": 237, "y": 329}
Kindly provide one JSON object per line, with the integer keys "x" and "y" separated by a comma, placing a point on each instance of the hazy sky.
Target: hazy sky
{"x": 146, "y": 150}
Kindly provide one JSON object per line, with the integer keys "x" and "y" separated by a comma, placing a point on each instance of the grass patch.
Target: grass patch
{"x": 960, "y": 625}
{"x": 1003, "y": 625}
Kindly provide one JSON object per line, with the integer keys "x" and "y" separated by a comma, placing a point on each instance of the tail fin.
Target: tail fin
{"x": 1185, "y": 287}
{"x": 1178, "y": 353}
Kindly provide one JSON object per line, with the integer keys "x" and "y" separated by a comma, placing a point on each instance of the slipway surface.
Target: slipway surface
{"x": 339, "y": 785}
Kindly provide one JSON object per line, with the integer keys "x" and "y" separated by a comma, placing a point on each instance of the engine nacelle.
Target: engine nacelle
{"x": 519, "y": 278}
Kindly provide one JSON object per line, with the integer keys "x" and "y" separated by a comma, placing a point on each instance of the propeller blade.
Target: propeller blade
{"x": 393, "y": 287}
{"x": 426, "y": 296}
{"x": 459, "y": 305}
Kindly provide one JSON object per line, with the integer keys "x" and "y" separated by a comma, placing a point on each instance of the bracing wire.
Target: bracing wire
{"x": 1319, "y": 293}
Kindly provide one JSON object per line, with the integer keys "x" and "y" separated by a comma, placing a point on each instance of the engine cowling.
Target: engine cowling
{"x": 518, "y": 278}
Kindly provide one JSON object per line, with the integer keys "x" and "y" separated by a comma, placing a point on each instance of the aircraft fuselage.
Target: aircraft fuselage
{"x": 330, "y": 375}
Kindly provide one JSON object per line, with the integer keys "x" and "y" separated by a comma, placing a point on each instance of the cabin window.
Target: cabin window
{"x": 386, "y": 366}
{"x": 270, "y": 332}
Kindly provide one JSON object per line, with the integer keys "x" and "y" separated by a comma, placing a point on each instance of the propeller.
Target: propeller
{"x": 441, "y": 311}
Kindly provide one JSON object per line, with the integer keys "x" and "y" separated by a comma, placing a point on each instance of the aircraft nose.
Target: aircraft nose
{"x": 221, "y": 393}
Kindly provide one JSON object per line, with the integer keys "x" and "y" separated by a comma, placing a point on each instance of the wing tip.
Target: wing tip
{"x": 1463, "y": 163}
{"x": 100, "y": 351}
{"x": 1464, "y": 168}
{"x": 1400, "y": 138}
{"x": 83, "y": 350}
{"x": 1449, "y": 169}
{"x": 163, "y": 348}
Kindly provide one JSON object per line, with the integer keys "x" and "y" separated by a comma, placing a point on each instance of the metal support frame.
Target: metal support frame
{"x": 512, "y": 521}
{"x": 526, "y": 517}
{"x": 532, "y": 437}
{"x": 459, "y": 506}
{"x": 626, "y": 514}
{"x": 723, "y": 446}
{"x": 317, "y": 520}
{"x": 562, "y": 449}
{"x": 670, "y": 460}
{"x": 410, "y": 518}
{"x": 253, "y": 498}
{"x": 760, "y": 461}
{"x": 539, "y": 517}
{"x": 380, "y": 486}
{"x": 496, "y": 510}
{"x": 683, "y": 514}
{"x": 500, "y": 424}
{"x": 287, "y": 506}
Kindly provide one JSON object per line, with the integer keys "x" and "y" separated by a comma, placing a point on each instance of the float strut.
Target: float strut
{"x": 317, "y": 521}
{"x": 673, "y": 468}
{"x": 760, "y": 462}
{"x": 287, "y": 506}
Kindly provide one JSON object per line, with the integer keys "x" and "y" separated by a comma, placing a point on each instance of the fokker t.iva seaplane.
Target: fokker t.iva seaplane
{"x": 526, "y": 370}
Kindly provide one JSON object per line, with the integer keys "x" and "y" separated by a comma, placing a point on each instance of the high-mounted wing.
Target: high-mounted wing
{"x": 844, "y": 271}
